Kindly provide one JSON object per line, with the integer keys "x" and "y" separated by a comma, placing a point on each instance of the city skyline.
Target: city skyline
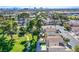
{"x": 51, "y": 7}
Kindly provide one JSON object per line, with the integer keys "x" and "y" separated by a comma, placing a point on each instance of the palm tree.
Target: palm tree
{"x": 62, "y": 18}
{"x": 37, "y": 22}
{"x": 24, "y": 15}
{"x": 3, "y": 24}
{"x": 11, "y": 27}
{"x": 40, "y": 18}
{"x": 22, "y": 31}
{"x": 30, "y": 25}
{"x": 55, "y": 17}
{"x": 5, "y": 45}
{"x": 34, "y": 26}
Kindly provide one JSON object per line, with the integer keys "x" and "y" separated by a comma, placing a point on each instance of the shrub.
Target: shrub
{"x": 23, "y": 42}
{"x": 76, "y": 48}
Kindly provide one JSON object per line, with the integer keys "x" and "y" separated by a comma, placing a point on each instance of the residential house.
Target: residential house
{"x": 54, "y": 42}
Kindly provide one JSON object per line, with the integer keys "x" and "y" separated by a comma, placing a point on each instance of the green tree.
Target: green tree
{"x": 60, "y": 17}
{"x": 76, "y": 48}
{"x": 39, "y": 18}
{"x": 67, "y": 26}
{"x": 6, "y": 45}
{"x": 22, "y": 31}
{"x": 11, "y": 27}
{"x": 55, "y": 18}
{"x": 3, "y": 25}
{"x": 66, "y": 41}
{"x": 23, "y": 15}
{"x": 36, "y": 23}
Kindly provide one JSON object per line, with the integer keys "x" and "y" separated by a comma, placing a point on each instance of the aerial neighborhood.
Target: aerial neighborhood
{"x": 39, "y": 30}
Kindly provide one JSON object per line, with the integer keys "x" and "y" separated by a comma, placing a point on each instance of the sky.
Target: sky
{"x": 40, "y": 3}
